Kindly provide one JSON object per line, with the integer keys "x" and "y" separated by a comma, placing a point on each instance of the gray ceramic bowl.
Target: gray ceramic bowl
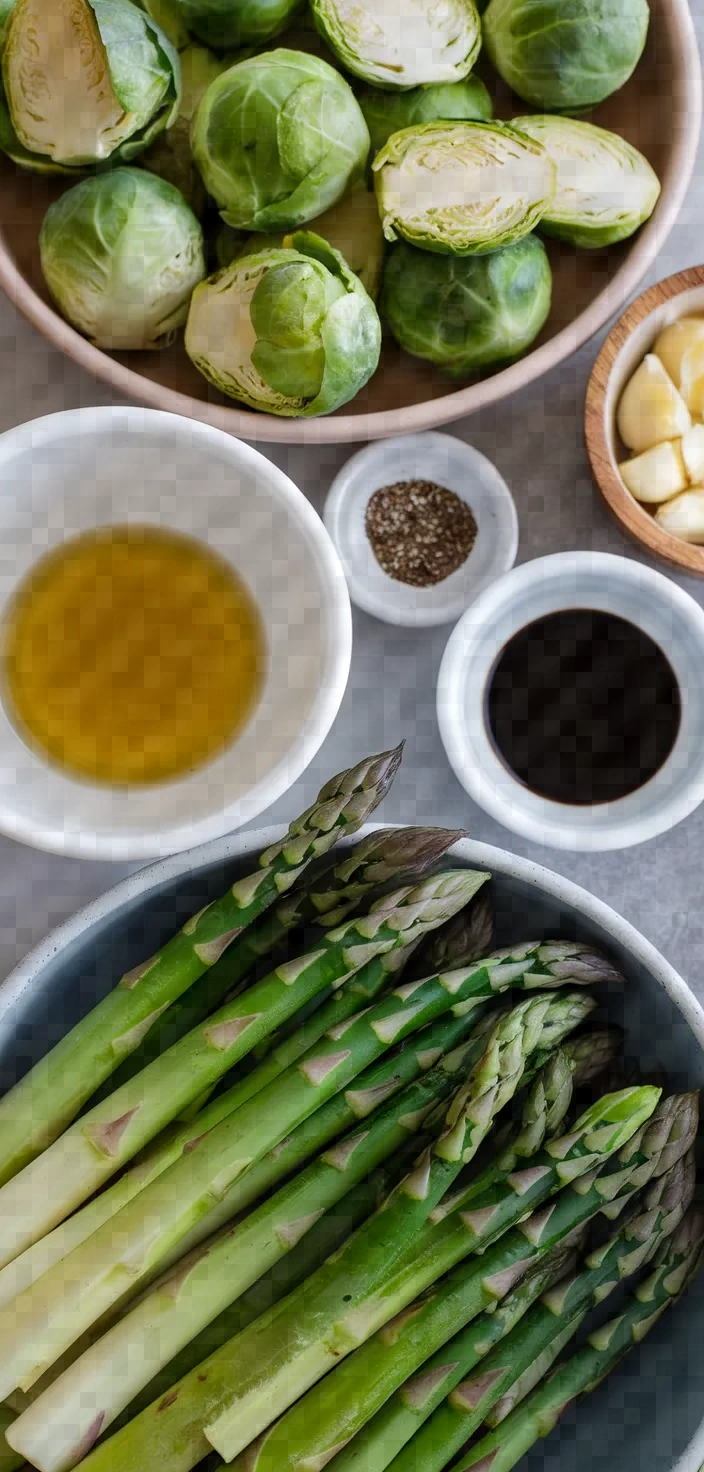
{"x": 647, "y": 1417}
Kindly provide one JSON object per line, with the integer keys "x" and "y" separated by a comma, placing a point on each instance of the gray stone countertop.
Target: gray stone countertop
{"x": 536, "y": 441}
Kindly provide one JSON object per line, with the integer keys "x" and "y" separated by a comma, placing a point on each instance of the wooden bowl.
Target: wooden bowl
{"x": 625, "y": 347}
{"x": 659, "y": 111}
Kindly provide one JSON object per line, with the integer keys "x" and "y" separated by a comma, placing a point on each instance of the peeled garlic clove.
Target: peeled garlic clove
{"x": 692, "y": 447}
{"x": 657, "y": 474}
{"x": 683, "y": 517}
{"x": 674, "y": 341}
{"x": 692, "y": 378}
{"x": 651, "y": 409}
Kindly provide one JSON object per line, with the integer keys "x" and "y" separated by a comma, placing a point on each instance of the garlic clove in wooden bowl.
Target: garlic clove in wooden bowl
{"x": 629, "y": 342}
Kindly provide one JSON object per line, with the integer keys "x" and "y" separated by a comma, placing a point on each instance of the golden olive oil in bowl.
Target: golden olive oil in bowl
{"x": 132, "y": 655}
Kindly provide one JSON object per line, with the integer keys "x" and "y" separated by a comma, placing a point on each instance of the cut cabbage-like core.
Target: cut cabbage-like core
{"x": 58, "y": 83}
{"x": 220, "y": 337}
{"x": 403, "y": 43}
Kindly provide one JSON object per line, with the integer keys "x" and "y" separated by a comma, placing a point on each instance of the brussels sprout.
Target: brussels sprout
{"x": 402, "y": 43}
{"x": 352, "y": 226}
{"x": 167, "y": 15}
{"x": 388, "y": 112}
{"x": 226, "y": 23}
{"x": 170, "y": 156}
{"x": 121, "y": 253}
{"x": 462, "y": 188}
{"x": 605, "y": 187}
{"x": 563, "y": 55}
{"x": 465, "y": 314}
{"x": 278, "y": 139}
{"x": 290, "y": 331}
{"x": 99, "y": 83}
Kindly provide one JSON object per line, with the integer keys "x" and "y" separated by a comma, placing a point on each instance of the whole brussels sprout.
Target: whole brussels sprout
{"x": 227, "y": 23}
{"x": 466, "y": 313}
{"x": 278, "y": 139}
{"x": 563, "y": 55}
{"x": 352, "y": 226}
{"x": 605, "y": 187}
{"x": 462, "y": 188}
{"x": 402, "y": 43}
{"x": 99, "y": 83}
{"x": 121, "y": 253}
{"x": 290, "y": 331}
{"x": 170, "y": 155}
{"x": 388, "y": 112}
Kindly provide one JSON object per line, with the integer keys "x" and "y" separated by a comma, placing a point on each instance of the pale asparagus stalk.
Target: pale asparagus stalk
{"x": 169, "y": 1433}
{"x": 37, "y": 1109}
{"x": 678, "y": 1262}
{"x": 103, "y": 1140}
{"x": 387, "y": 855}
{"x": 64, "y": 1422}
{"x": 446, "y": 1413}
{"x": 311, "y": 1344}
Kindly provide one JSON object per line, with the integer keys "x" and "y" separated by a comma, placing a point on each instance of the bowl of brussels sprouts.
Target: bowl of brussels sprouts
{"x": 339, "y": 222}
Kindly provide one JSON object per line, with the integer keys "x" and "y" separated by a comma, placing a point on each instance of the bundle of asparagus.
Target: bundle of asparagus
{"x": 277, "y": 1272}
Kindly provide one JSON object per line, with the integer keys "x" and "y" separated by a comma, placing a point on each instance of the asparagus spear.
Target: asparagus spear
{"x": 170, "y": 1432}
{"x": 463, "y": 1399}
{"x": 63, "y": 1423}
{"x": 333, "y": 1322}
{"x": 374, "y": 1085}
{"x": 37, "y": 1109}
{"x": 678, "y": 1262}
{"x": 470, "y": 933}
{"x": 97, "y": 1145}
{"x": 390, "y": 854}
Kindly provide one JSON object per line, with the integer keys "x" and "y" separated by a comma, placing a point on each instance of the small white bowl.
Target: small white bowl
{"x": 450, "y": 463}
{"x": 69, "y": 472}
{"x": 574, "y": 580}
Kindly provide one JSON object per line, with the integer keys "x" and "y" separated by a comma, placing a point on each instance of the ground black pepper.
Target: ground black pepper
{"x": 419, "y": 531}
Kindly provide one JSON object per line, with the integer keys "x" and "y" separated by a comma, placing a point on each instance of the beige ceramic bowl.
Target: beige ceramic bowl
{"x": 659, "y": 111}
{"x": 633, "y": 336}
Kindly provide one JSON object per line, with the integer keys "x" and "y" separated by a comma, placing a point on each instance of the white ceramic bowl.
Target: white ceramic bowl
{"x": 647, "y": 1417}
{"x": 574, "y": 580}
{"x": 450, "y": 463}
{"x": 70, "y": 472}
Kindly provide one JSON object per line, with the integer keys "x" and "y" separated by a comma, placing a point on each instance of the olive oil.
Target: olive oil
{"x": 132, "y": 655}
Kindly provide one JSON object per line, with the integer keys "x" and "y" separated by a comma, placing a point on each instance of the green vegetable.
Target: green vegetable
{"x": 166, "y": 13}
{"x": 291, "y": 332}
{"x": 505, "y": 1376}
{"x": 387, "y": 112}
{"x": 170, "y": 155}
{"x": 401, "y": 43}
{"x": 462, "y": 188}
{"x": 278, "y": 139}
{"x": 39, "y": 1107}
{"x": 99, "y": 83}
{"x": 104, "y": 1379}
{"x": 121, "y": 254}
{"x": 351, "y": 226}
{"x": 466, "y": 313}
{"x": 678, "y": 1262}
{"x": 605, "y": 187}
{"x": 562, "y": 55}
{"x": 225, "y": 23}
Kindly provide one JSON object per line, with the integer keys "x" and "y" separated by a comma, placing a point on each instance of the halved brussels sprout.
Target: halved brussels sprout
{"x": 352, "y": 226}
{"x": 605, "y": 187}
{"x": 278, "y": 139}
{"x": 99, "y": 82}
{"x": 388, "y": 112}
{"x": 401, "y": 43}
{"x": 121, "y": 253}
{"x": 290, "y": 331}
{"x": 226, "y": 23}
{"x": 563, "y": 55}
{"x": 466, "y": 313}
{"x": 170, "y": 155}
{"x": 462, "y": 188}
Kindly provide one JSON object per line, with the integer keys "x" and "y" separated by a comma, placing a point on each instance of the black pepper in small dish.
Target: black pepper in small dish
{"x": 419, "y": 532}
